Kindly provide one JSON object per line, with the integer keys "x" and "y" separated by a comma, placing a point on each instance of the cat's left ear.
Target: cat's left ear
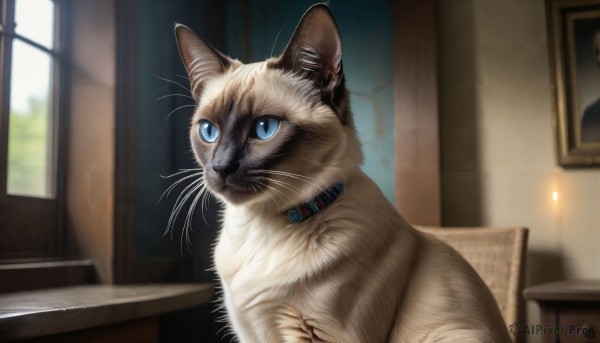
{"x": 201, "y": 61}
{"x": 315, "y": 50}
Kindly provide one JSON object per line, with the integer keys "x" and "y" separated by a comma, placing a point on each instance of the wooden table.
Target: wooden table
{"x": 99, "y": 313}
{"x": 569, "y": 311}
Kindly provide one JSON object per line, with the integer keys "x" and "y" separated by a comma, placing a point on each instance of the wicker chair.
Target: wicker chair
{"x": 498, "y": 255}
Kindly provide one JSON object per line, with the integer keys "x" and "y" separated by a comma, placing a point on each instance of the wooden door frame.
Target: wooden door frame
{"x": 416, "y": 119}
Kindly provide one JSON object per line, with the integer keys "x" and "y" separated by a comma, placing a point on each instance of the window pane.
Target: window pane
{"x": 30, "y": 123}
{"x": 35, "y": 20}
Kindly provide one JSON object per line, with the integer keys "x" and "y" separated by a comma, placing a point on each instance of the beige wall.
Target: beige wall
{"x": 90, "y": 171}
{"x": 498, "y": 145}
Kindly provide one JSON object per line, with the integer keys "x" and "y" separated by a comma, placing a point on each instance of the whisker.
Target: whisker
{"x": 191, "y": 209}
{"x": 282, "y": 184}
{"x": 178, "y": 108}
{"x": 290, "y": 175}
{"x": 279, "y": 172}
{"x": 180, "y": 202}
{"x": 178, "y": 208}
{"x": 294, "y": 176}
{"x": 275, "y": 189}
{"x": 265, "y": 187}
{"x": 171, "y": 187}
{"x": 196, "y": 191}
{"x": 275, "y": 42}
{"x": 261, "y": 187}
{"x": 194, "y": 183}
{"x": 181, "y": 171}
{"x": 253, "y": 189}
{"x": 187, "y": 225}
{"x": 169, "y": 95}
{"x": 177, "y": 83}
{"x": 204, "y": 205}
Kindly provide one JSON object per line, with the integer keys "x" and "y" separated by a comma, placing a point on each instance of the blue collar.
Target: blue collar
{"x": 303, "y": 211}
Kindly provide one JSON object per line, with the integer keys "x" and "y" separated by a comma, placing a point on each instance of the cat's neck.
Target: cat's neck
{"x": 271, "y": 208}
{"x": 360, "y": 193}
{"x": 309, "y": 208}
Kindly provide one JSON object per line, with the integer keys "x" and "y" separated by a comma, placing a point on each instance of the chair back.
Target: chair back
{"x": 498, "y": 256}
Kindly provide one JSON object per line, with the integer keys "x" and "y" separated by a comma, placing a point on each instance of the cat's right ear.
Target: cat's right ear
{"x": 202, "y": 62}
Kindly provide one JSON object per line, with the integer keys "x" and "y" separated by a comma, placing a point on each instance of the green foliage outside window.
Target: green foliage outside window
{"x": 28, "y": 150}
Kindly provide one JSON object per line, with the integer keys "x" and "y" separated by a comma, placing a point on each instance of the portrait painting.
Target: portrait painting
{"x": 574, "y": 32}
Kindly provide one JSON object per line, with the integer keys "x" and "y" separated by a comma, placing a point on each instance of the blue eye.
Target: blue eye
{"x": 208, "y": 131}
{"x": 266, "y": 127}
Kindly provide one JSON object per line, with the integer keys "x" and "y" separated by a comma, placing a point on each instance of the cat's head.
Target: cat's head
{"x": 275, "y": 132}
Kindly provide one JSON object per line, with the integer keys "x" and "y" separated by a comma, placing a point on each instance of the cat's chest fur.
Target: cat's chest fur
{"x": 308, "y": 278}
{"x": 262, "y": 278}
{"x": 255, "y": 249}
{"x": 262, "y": 262}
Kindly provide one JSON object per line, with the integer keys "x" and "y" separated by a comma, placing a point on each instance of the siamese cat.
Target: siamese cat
{"x": 310, "y": 250}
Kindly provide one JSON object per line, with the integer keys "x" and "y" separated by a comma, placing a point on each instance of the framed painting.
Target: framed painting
{"x": 574, "y": 37}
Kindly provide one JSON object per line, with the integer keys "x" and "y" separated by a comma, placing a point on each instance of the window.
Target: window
{"x": 30, "y": 119}
{"x": 30, "y": 163}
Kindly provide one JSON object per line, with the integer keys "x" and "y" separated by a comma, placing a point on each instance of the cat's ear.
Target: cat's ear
{"x": 202, "y": 62}
{"x": 315, "y": 50}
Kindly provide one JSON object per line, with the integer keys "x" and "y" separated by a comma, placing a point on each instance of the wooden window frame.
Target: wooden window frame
{"x": 32, "y": 227}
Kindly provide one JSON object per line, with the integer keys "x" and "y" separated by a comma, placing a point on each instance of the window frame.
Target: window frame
{"x": 24, "y": 217}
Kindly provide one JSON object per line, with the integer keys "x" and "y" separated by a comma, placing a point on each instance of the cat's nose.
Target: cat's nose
{"x": 224, "y": 168}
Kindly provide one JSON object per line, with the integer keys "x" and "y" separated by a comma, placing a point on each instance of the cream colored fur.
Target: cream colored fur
{"x": 357, "y": 274}
{"x": 355, "y": 271}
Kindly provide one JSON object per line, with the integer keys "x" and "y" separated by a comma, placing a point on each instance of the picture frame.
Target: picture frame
{"x": 574, "y": 44}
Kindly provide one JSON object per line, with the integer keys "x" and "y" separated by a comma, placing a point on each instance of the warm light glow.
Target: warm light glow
{"x": 555, "y": 196}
